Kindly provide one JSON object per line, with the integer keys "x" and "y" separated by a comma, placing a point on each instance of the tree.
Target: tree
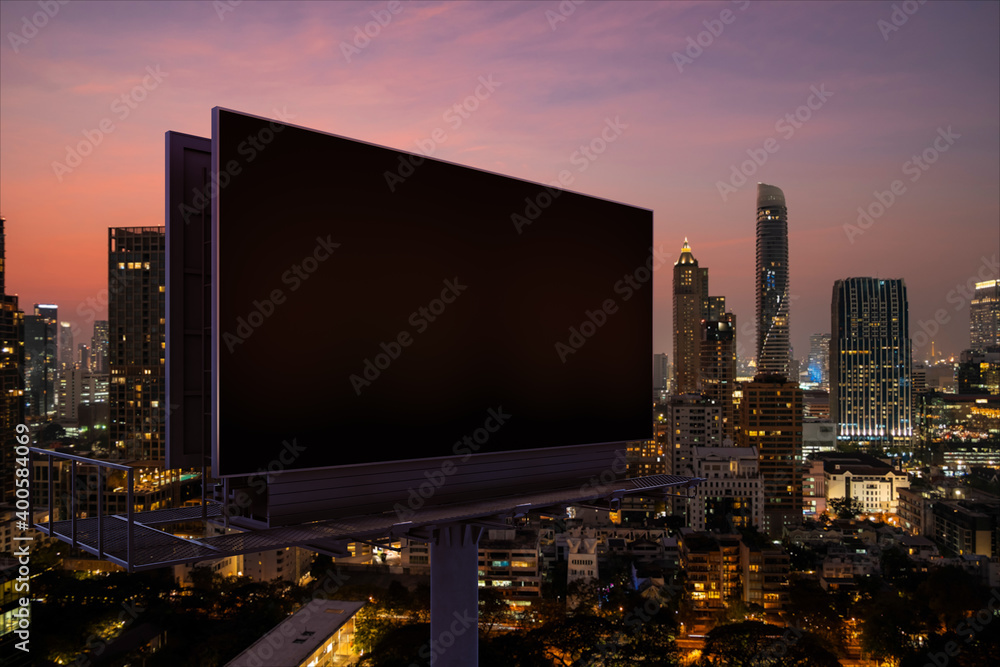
{"x": 896, "y": 565}
{"x": 574, "y": 640}
{"x": 512, "y": 648}
{"x": 847, "y": 508}
{"x": 584, "y": 596}
{"x": 810, "y": 606}
{"x": 50, "y": 433}
{"x": 372, "y": 624}
{"x": 401, "y": 646}
{"x": 950, "y": 594}
{"x": 740, "y": 644}
{"x": 493, "y": 609}
{"x": 320, "y": 566}
{"x": 756, "y": 644}
{"x": 889, "y": 627}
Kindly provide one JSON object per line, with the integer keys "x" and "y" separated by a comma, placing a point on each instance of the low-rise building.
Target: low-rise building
{"x": 712, "y": 564}
{"x": 582, "y": 559}
{"x": 917, "y": 547}
{"x": 870, "y": 481}
{"x": 813, "y": 489}
{"x": 509, "y": 562}
{"x": 964, "y": 527}
{"x": 915, "y": 511}
{"x": 288, "y": 564}
{"x": 319, "y": 634}
{"x": 765, "y": 568}
{"x": 844, "y": 565}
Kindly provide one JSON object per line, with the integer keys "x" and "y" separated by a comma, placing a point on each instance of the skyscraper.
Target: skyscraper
{"x": 67, "y": 351}
{"x": 984, "y": 316}
{"x": 11, "y": 377}
{"x": 40, "y": 332}
{"x": 772, "y": 282}
{"x": 99, "y": 346}
{"x": 137, "y": 389}
{"x": 718, "y": 368}
{"x": 689, "y": 294}
{"x": 771, "y": 421}
{"x": 979, "y": 372}
{"x": 871, "y": 387}
{"x": 819, "y": 359}
{"x": 660, "y": 373}
{"x": 83, "y": 356}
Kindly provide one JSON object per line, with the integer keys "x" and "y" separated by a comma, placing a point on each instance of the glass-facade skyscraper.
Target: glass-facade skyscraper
{"x": 871, "y": 388}
{"x": 772, "y": 282}
{"x": 137, "y": 350}
{"x": 984, "y": 316}
{"x": 819, "y": 359}
{"x": 41, "y": 331}
{"x": 99, "y": 347}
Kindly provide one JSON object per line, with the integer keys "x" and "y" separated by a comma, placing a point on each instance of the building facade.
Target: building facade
{"x": 732, "y": 495}
{"x": 813, "y": 489}
{"x": 712, "y": 564}
{"x": 871, "y": 389}
{"x": 41, "y": 331}
{"x": 771, "y": 421}
{"x": 979, "y": 371}
{"x": 136, "y": 315}
{"x": 690, "y": 291}
{"x": 77, "y": 388}
{"x": 773, "y": 295}
{"x": 819, "y": 360}
{"x": 872, "y": 482}
{"x": 11, "y": 376}
{"x": 99, "y": 347}
{"x": 510, "y": 563}
{"x": 718, "y": 368}
{"x": 765, "y": 568}
{"x": 984, "y": 315}
{"x": 67, "y": 351}
{"x": 967, "y": 528}
{"x": 692, "y": 421}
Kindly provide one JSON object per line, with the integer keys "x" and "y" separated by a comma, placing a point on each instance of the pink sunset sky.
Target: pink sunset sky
{"x": 697, "y": 88}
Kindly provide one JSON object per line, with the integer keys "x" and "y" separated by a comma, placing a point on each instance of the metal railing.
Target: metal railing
{"x": 50, "y": 531}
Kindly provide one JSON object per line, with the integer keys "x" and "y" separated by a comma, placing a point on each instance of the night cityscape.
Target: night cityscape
{"x": 326, "y": 330}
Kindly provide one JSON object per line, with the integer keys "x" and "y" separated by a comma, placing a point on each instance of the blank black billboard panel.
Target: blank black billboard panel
{"x": 371, "y": 306}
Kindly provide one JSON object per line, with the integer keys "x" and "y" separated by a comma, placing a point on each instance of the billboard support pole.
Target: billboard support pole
{"x": 455, "y": 595}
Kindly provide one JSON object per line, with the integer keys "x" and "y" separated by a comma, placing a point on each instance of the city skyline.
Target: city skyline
{"x": 835, "y": 113}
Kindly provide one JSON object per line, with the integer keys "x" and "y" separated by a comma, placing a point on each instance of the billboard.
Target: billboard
{"x": 372, "y": 306}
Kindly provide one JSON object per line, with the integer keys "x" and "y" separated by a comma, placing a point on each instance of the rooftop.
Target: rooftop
{"x": 838, "y": 463}
{"x": 293, "y": 640}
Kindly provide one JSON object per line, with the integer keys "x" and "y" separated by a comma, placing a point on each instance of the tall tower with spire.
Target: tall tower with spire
{"x": 772, "y": 282}
{"x": 690, "y": 291}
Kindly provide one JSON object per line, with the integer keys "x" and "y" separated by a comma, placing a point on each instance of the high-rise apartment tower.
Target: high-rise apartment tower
{"x": 772, "y": 282}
